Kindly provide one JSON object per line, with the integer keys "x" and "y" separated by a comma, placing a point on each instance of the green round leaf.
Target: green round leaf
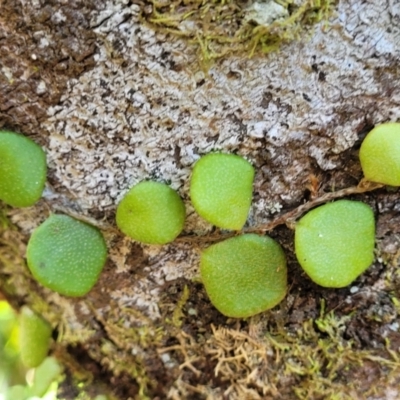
{"x": 22, "y": 170}
{"x": 66, "y": 255}
{"x": 245, "y": 275}
{"x": 334, "y": 243}
{"x": 221, "y": 189}
{"x": 151, "y": 212}
{"x": 380, "y": 154}
{"x": 45, "y": 374}
{"x": 34, "y": 338}
{"x": 18, "y": 392}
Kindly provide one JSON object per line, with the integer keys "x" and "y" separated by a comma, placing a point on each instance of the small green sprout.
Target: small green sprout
{"x": 22, "y": 170}
{"x": 34, "y": 337}
{"x": 66, "y": 255}
{"x": 152, "y": 213}
{"x": 46, "y": 374}
{"x": 221, "y": 189}
{"x": 334, "y": 243}
{"x": 380, "y": 154}
{"x": 244, "y": 275}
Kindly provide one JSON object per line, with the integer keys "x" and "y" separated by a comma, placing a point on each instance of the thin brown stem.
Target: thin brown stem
{"x": 289, "y": 218}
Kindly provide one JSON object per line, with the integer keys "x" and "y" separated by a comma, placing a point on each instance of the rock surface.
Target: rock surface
{"x": 114, "y": 102}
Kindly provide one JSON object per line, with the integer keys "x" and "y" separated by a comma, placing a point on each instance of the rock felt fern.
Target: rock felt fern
{"x": 334, "y": 243}
{"x": 245, "y": 275}
{"x": 22, "y": 170}
{"x": 221, "y": 189}
{"x": 34, "y": 338}
{"x": 66, "y": 255}
{"x": 152, "y": 213}
{"x": 380, "y": 154}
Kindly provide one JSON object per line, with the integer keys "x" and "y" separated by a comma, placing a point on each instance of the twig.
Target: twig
{"x": 289, "y": 218}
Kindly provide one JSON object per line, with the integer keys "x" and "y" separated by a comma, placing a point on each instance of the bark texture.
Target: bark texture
{"x": 114, "y": 102}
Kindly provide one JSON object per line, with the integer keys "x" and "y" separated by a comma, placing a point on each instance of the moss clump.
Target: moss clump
{"x": 224, "y": 27}
{"x": 316, "y": 361}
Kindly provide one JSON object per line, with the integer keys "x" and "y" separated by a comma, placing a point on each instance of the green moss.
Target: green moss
{"x": 314, "y": 361}
{"x": 4, "y": 221}
{"x": 177, "y": 318}
{"x": 224, "y": 27}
